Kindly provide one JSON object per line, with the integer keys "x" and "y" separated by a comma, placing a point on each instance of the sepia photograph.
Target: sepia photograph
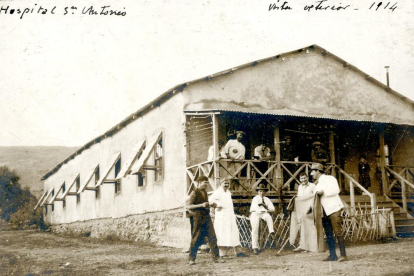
{"x": 207, "y": 137}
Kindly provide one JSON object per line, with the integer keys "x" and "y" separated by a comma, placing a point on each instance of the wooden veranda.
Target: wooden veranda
{"x": 204, "y": 130}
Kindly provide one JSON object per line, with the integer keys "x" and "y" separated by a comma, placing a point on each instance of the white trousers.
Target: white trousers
{"x": 255, "y": 222}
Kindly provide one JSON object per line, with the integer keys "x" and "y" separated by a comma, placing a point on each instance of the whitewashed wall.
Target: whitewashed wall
{"x": 167, "y": 194}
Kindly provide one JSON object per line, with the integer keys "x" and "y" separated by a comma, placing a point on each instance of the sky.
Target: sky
{"x": 68, "y": 78}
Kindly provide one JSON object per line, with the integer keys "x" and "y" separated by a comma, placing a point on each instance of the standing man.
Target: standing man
{"x": 306, "y": 187}
{"x": 318, "y": 154}
{"x": 364, "y": 169}
{"x": 235, "y": 150}
{"x": 202, "y": 224}
{"x": 225, "y": 223}
{"x": 261, "y": 208}
{"x": 328, "y": 189}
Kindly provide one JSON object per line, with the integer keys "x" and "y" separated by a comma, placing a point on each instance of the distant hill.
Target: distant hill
{"x": 31, "y": 163}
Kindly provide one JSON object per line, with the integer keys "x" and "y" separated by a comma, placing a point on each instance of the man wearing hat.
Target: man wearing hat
{"x": 318, "y": 154}
{"x": 235, "y": 150}
{"x": 261, "y": 208}
{"x": 202, "y": 224}
{"x": 328, "y": 189}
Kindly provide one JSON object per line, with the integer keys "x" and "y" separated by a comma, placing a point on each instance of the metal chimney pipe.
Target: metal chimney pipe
{"x": 388, "y": 76}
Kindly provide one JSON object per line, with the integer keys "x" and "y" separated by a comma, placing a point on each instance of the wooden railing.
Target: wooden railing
{"x": 249, "y": 173}
{"x": 352, "y": 184}
{"x": 205, "y": 168}
{"x": 401, "y": 176}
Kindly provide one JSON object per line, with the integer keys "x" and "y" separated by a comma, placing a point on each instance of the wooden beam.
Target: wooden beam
{"x": 352, "y": 197}
{"x": 332, "y": 151}
{"x": 216, "y": 151}
{"x": 382, "y": 163}
{"x": 279, "y": 179}
{"x": 189, "y": 113}
{"x": 152, "y": 168}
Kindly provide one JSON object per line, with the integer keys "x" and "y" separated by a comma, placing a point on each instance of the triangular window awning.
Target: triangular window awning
{"x": 47, "y": 196}
{"x": 131, "y": 159}
{"x": 145, "y": 155}
{"x": 89, "y": 176}
{"x": 70, "y": 187}
{"x": 56, "y": 193}
{"x": 40, "y": 200}
{"x": 112, "y": 162}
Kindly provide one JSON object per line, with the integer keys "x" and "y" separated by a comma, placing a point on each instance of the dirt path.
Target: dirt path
{"x": 37, "y": 253}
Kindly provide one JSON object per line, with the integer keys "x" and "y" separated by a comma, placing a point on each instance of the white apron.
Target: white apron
{"x": 225, "y": 224}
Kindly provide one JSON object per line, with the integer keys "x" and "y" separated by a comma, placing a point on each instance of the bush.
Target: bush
{"x": 17, "y": 203}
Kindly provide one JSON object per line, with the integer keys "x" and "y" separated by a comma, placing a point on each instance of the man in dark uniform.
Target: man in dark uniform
{"x": 318, "y": 154}
{"x": 202, "y": 224}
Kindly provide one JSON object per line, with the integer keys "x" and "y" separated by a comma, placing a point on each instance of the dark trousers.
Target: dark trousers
{"x": 203, "y": 227}
{"x": 333, "y": 225}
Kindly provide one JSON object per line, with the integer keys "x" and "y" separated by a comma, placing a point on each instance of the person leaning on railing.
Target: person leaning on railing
{"x": 328, "y": 189}
{"x": 235, "y": 150}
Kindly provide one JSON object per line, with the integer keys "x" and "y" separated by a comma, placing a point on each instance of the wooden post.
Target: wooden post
{"x": 341, "y": 184}
{"x": 216, "y": 152}
{"x": 187, "y": 183}
{"x": 404, "y": 195}
{"x": 279, "y": 179}
{"x": 407, "y": 176}
{"x": 394, "y": 233}
{"x": 332, "y": 151}
{"x": 382, "y": 163}
{"x": 373, "y": 202}
{"x": 352, "y": 195}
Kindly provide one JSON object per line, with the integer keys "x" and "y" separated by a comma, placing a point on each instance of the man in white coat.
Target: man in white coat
{"x": 261, "y": 208}
{"x": 235, "y": 151}
{"x": 225, "y": 223}
{"x": 328, "y": 189}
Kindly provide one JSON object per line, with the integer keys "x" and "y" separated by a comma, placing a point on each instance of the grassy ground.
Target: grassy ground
{"x": 38, "y": 253}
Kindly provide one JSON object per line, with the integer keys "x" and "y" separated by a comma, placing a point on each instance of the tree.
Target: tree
{"x": 16, "y": 203}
